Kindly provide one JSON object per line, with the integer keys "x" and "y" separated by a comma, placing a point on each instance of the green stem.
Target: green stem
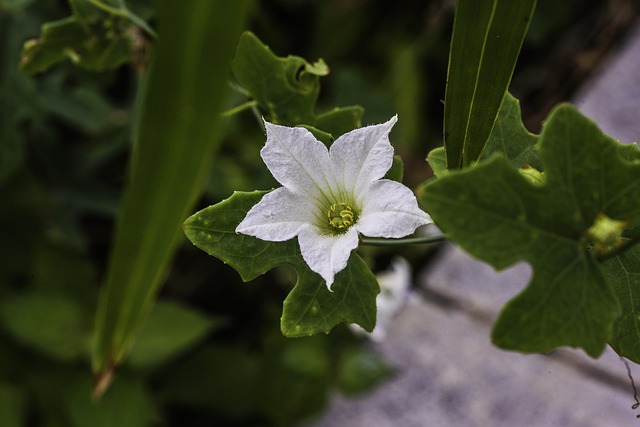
{"x": 408, "y": 241}
{"x": 258, "y": 116}
{"x": 250, "y": 104}
{"x": 240, "y": 108}
{"x": 239, "y": 89}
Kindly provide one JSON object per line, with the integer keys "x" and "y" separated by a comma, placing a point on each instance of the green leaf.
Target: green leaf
{"x": 498, "y": 216}
{"x": 91, "y": 11}
{"x": 511, "y": 138}
{"x": 623, "y": 272}
{"x": 508, "y": 136}
{"x": 629, "y": 152}
{"x": 286, "y": 88}
{"x": 99, "y": 36}
{"x": 310, "y": 307}
{"x": 322, "y": 136}
{"x": 334, "y": 123}
{"x": 51, "y": 324}
{"x": 97, "y": 47}
{"x": 396, "y": 172}
{"x": 169, "y": 330}
{"x": 213, "y": 230}
{"x": 438, "y": 161}
{"x": 486, "y": 41}
{"x": 340, "y": 120}
{"x": 177, "y": 136}
{"x": 86, "y": 12}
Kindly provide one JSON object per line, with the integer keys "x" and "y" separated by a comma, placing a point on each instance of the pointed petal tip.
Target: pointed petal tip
{"x": 391, "y": 122}
{"x": 426, "y": 218}
{"x": 267, "y": 125}
{"x": 328, "y": 277}
{"x": 388, "y": 124}
{"x": 330, "y": 285}
{"x": 242, "y": 227}
{"x": 327, "y": 255}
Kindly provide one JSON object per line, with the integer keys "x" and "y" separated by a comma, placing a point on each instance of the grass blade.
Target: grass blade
{"x": 486, "y": 41}
{"x": 176, "y": 140}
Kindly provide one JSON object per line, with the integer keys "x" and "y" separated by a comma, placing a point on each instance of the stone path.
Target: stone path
{"x": 449, "y": 373}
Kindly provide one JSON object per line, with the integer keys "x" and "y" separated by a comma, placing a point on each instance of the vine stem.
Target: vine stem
{"x": 240, "y": 108}
{"x": 633, "y": 385}
{"x": 408, "y": 241}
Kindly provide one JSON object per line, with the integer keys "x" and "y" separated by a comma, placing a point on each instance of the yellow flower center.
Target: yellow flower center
{"x": 340, "y": 216}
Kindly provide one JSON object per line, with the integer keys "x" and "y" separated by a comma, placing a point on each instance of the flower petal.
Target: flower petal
{"x": 325, "y": 254}
{"x": 298, "y": 160}
{"x": 362, "y": 156}
{"x": 389, "y": 209}
{"x": 280, "y": 215}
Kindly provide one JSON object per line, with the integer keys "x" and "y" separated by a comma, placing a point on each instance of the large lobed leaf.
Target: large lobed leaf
{"x": 497, "y": 215}
{"x": 623, "y": 272}
{"x": 286, "y": 89}
{"x": 310, "y": 307}
{"x": 510, "y": 137}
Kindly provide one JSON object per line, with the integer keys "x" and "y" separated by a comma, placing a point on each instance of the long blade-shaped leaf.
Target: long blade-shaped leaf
{"x": 486, "y": 41}
{"x": 176, "y": 139}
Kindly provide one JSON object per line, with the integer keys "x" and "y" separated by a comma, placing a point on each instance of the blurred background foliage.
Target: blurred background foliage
{"x": 211, "y": 353}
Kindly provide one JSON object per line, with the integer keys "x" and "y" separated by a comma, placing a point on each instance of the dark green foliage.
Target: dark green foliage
{"x": 497, "y": 215}
{"x": 65, "y": 139}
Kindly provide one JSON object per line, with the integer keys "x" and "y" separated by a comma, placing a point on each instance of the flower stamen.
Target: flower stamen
{"x": 340, "y": 216}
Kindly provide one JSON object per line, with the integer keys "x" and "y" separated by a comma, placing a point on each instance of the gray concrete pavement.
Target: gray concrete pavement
{"x": 612, "y": 96}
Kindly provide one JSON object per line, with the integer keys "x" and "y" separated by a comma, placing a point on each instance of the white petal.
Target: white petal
{"x": 389, "y": 209}
{"x": 326, "y": 254}
{"x": 362, "y": 156}
{"x": 298, "y": 160}
{"x": 280, "y": 215}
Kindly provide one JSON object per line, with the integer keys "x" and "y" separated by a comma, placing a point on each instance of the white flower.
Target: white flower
{"x": 329, "y": 196}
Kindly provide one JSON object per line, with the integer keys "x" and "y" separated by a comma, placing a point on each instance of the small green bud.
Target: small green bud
{"x": 606, "y": 233}
{"x": 533, "y": 175}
